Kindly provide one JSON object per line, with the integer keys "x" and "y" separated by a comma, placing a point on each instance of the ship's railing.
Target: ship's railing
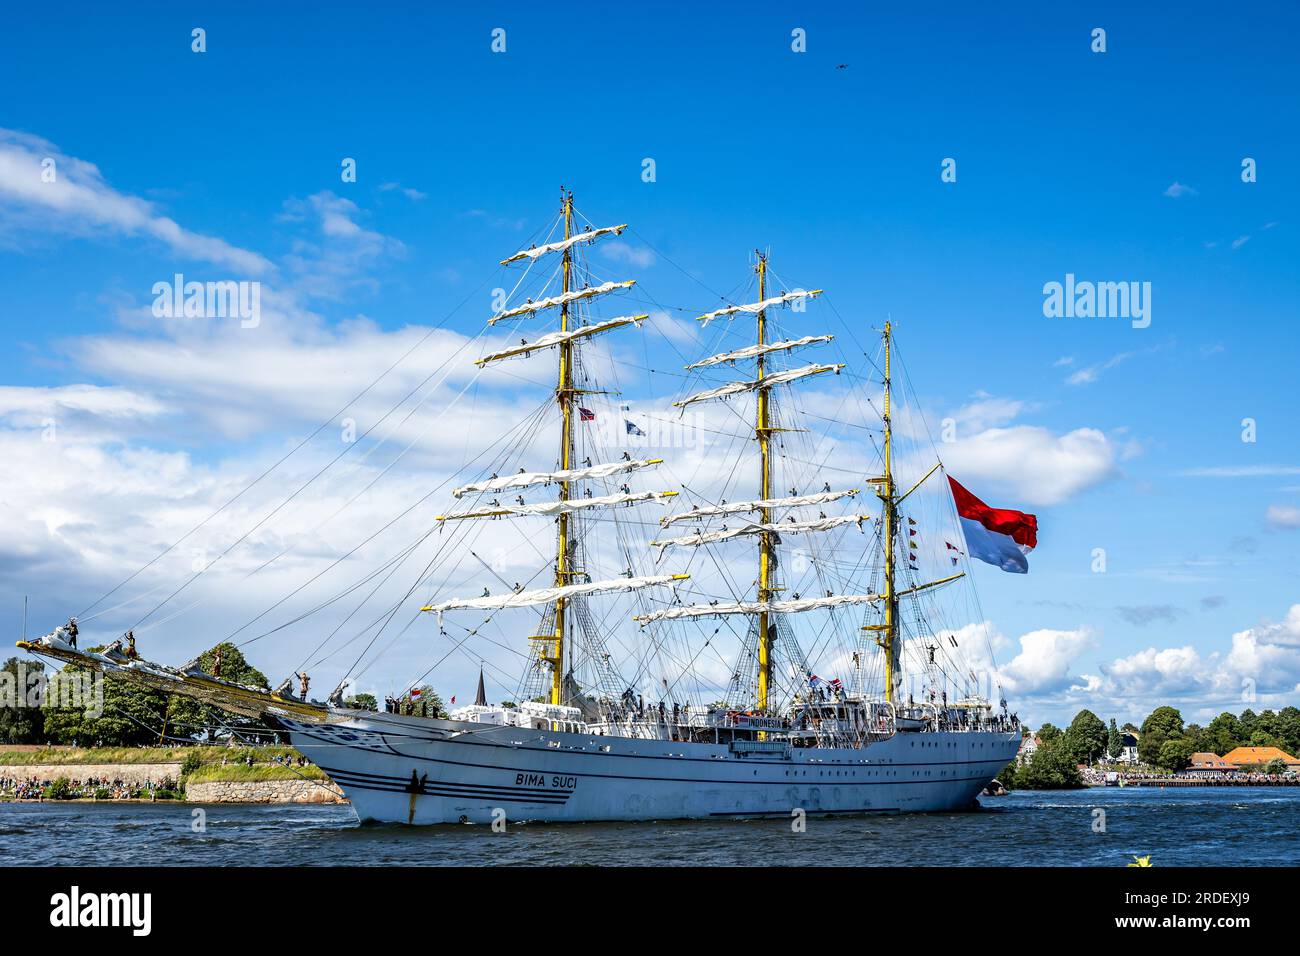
{"x": 959, "y": 719}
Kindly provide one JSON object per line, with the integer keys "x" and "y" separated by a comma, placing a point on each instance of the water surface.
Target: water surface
{"x": 1226, "y": 826}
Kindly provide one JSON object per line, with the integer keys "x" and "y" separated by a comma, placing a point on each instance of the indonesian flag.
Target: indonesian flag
{"x": 997, "y": 536}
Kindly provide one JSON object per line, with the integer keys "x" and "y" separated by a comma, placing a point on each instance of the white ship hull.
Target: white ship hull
{"x": 411, "y": 770}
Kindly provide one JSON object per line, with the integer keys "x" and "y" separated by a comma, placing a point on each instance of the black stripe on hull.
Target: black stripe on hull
{"x": 379, "y": 783}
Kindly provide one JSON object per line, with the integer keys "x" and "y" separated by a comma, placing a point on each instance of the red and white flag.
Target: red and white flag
{"x": 997, "y": 536}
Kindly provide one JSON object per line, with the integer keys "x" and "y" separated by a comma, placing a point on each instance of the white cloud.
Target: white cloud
{"x": 1242, "y": 471}
{"x": 412, "y": 194}
{"x": 1240, "y": 241}
{"x": 21, "y": 406}
{"x": 1177, "y": 190}
{"x": 1086, "y": 376}
{"x": 1043, "y": 665}
{"x": 335, "y": 261}
{"x": 1283, "y": 516}
{"x": 1034, "y": 465}
{"x": 617, "y": 250}
{"x": 678, "y": 331}
{"x": 79, "y": 200}
{"x": 1150, "y": 673}
{"x": 1090, "y": 374}
{"x": 1264, "y": 659}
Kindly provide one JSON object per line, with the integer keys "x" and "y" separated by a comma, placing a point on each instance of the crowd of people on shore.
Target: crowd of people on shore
{"x": 1096, "y": 776}
{"x": 76, "y": 788}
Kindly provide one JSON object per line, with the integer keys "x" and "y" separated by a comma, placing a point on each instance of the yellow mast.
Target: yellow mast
{"x": 891, "y": 530}
{"x": 763, "y": 433}
{"x": 564, "y": 395}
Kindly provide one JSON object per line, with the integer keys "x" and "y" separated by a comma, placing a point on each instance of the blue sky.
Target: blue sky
{"x": 1119, "y": 166}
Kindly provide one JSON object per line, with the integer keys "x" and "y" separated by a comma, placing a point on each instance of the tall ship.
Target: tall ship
{"x": 760, "y": 637}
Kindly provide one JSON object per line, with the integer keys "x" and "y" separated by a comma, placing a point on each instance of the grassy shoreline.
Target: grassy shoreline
{"x": 73, "y": 756}
{"x": 242, "y": 773}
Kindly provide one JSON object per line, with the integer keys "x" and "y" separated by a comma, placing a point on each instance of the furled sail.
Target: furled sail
{"x": 561, "y": 299}
{"x": 753, "y": 351}
{"x": 755, "y": 307}
{"x": 549, "y": 595}
{"x": 588, "y": 236}
{"x": 557, "y": 338}
{"x": 777, "y": 378}
{"x": 708, "y": 537}
{"x": 793, "y": 606}
{"x": 564, "y": 507}
{"x": 737, "y": 507}
{"x": 525, "y": 479}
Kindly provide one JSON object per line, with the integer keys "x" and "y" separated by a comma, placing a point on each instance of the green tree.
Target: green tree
{"x": 1288, "y": 728}
{"x": 1276, "y": 766}
{"x": 1085, "y": 739}
{"x": 1259, "y": 737}
{"x": 1225, "y": 733}
{"x": 21, "y": 719}
{"x": 1162, "y": 725}
{"x": 190, "y": 717}
{"x": 362, "y": 702}
{"x": 1114, "y": 741}
{"x": 1008, "y": 775}
{"x": 1048, "y": 733}
{"x": 1175, "y": 754}
{"x": 131, "y": 715}
{"x": 422, "y": 702}
{"x": 1166, "y": 720}
{"x": 1052, "y": 767}
{"x": 1199, "y": 737}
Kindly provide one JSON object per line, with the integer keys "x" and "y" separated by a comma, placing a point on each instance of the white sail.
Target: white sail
{"x": 756, "y": 307}
{"x": 525, "y": 479}
{"x": 556, "y": 338}
{"x": 564, "y": 507}
{"x": 737, "y": 507}
{"x": 753, "y": 351}
{"x": 549, "y": 595}
{"x": 794, "y": 606}
{"x": 561, "y": 299}
{"x": 777, "y": 378}
{"x": 538, "y": 251}
{"x": 708, "y": 537}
